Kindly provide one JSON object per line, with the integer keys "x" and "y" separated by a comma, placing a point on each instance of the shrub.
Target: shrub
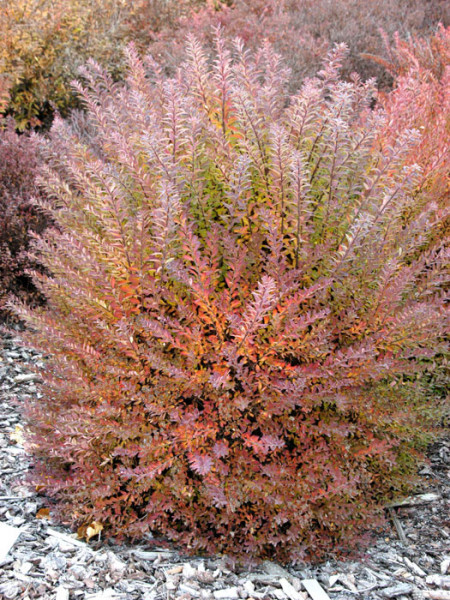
{"x": 19, "y": 165}
{"x": 41, "y": 45}
{"x": 421, "y": 99}
{"x": 43, "y": 42}
{"x": 303, "y": 31}
{"x": 146, "y": 18}
{"x": 235, "y": 296}
{"x": 4, "y": 95}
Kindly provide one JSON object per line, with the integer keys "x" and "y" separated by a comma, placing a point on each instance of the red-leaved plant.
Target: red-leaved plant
{"x": 19, "y": 167}
{"x": 421, "y": 99}
{"x": 235, "y": 294}
{"x": 302, "y": 31}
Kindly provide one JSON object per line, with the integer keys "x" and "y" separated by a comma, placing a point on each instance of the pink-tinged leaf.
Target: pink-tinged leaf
{"x": 221, "y": 449}
{"x": 264, "y": 444}
{"x": 200, "y": 463}
{"x": 220, "y": 380}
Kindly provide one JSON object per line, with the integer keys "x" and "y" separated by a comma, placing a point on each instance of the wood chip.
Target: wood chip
{"x": 402, "y": 589}
{"x": 62, "y": 593}
{"x": 414, "y": 500}
{"x": 152, "y": 555}
{"x": 14, "y": 498}
{"x": 275, "y": 570}
{"x": 227, "y": 594}
{"x": 187, "y": 589}
{"x": 442, "y": 581}
{"x": 108, "y": 594}
{"x": 27, "y": 377}
{"x": 414, "y": 568}
{"x": 437, "y": 594}
{"x": 8, "y": 537}
{"x": 249, "y": 587}
{"x": 67, "y": 538}
{"x": 314, "y": 589}
{"x": 189, "y": 571}
{"x": 290, "y": 591}
{"x": 175, "y": 570}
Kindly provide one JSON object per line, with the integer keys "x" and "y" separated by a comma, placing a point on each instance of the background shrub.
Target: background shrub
{"x": 303, "y": 31}
{"x": 421, "y": 99}
{"x": 19, "y": 166}
{"x": 43, "y": 42}
{"x": 238, "y": 289}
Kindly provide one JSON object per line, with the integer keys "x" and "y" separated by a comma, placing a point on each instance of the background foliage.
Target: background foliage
{"x": 19, "y": 218}
{"x": 303, "y": 31}
{"x": 43, "y": 42}
{"x": 421, "y": 99}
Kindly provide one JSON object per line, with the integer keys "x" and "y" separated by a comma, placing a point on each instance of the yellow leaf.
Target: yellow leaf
{"x": 43, "y": 513}
{"x": 94, "y": 529}
{"x": 17, "y": 435}
{"x": 89, "y": 531}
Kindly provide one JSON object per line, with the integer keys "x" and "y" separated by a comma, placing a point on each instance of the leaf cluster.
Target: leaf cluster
{"x": 421, "y": 98}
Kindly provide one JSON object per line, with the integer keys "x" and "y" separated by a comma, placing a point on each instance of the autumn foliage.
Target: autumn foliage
{"x": 41, "y": 45}
{"x": 238, "y": 287}
{"x": 421, "y": 99}
{"x": 303, "y": 31}
{"x": 44, "y": 42}
{"x": 19, "y": 218}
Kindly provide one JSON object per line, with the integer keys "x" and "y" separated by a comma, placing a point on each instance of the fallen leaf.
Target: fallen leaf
{"x": 89, "y": 531}
{"x": 43, "y": 513}
{"x": 17, "y": 436}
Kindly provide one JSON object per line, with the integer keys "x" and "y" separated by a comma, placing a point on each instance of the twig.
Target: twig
{"x": 21, "y": 498}
{"x": 398, "y": 527}
{"x": 414, "y": 500}
{"x": 437, "y": 594}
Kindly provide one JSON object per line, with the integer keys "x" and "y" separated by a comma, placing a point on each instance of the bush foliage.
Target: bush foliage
{"x": 303, "y": 31}
{"x": 41, "y": 45}
{"x": 44, "y": 42}
{"x": 238, "y": 287}
{"x": 421, "y": 99}
{"x": 19, "y": 166}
